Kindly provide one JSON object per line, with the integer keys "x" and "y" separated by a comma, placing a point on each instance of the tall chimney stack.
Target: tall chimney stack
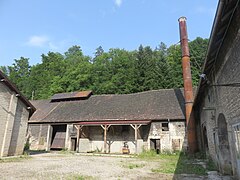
{"x": 188, "y": 89}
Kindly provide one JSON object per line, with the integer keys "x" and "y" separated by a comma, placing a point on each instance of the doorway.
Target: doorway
{"x": 223, "y": 146}
{"x": 155, "y": 145}
{"x": 58, "y": 137}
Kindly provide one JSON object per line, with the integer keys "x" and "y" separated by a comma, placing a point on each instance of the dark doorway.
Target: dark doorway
{"x": 73, "y": 144}
{"x": 155, "y": 145}
{"x": 58, "y": 137}
{"x": 205, "y": 140}
{"x": 223, "y": 146}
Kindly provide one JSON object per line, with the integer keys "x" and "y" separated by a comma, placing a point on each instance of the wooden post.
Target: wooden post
{"x": 136, "y": 127}
{"x": 105, "y": 138}
{"x": 105, "y": 128}
{"x": 77, "y": 144}
{"x": 136, "y": 137}
{"x": 67, "y": 138}
{"x": 49, "y": 137}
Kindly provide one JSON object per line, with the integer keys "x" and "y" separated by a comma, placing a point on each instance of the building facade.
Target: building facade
{"x": 217, "y": 103}
{"x": 15, "y": 111}
{"x": 84, "y": 122}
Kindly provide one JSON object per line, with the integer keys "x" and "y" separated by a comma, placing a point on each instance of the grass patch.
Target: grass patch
{"x": 14, "y": 159}
{"x": 168, "y": 168}
{"x": 132, "y": 166}
{"x": 79, "y": 177}
{"x": 152, "y": 155}
{"x": 66, "y": 151}
{"x": 179, "y": 162}
{"x": 210, "y": 165}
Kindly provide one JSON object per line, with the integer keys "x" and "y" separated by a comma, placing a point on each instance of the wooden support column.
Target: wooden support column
{"x": 49, "y": 137}
{"x": 79, "y": 132}
{"x": 136, "y": 127}
{"x": 77, "y": 144}
{"x": 105, "y": 128}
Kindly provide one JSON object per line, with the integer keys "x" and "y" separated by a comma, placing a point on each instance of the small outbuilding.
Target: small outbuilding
{"x": 126, "y": 123}
{"x": 15, "y": 111}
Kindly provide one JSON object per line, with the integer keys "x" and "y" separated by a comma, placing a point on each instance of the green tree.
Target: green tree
{"x": 19, "y": 74}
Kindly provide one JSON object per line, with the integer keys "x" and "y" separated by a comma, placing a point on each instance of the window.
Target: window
{"x": 165, "y": 127}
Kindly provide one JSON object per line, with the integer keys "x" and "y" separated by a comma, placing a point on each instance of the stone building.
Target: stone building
{"x": 217, "y": 103}
{"x": 15, "y": 111}
{"x": 110, "y": 123}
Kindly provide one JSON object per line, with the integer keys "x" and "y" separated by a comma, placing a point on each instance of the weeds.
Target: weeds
{"x": 66, "y": 151}
{"x": 79, "y": 177}
{"x": 210, "y": 165}
{"x": 179, "y": 162}
{"x": 132, "y": 166}
{"x": 14, "y": 159}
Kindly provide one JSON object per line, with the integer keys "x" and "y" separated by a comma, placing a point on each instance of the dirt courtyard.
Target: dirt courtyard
{"x": 57, "y": 165}
{"x": 67, "y": 166}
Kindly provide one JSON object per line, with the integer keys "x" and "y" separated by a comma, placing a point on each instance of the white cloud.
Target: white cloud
{"x": 42, "y": 41}
{"x": 38, "y": 41}
{"x": 118, "y": 2}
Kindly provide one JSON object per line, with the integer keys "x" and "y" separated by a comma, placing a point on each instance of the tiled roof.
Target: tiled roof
{"x": 149, "y": 105}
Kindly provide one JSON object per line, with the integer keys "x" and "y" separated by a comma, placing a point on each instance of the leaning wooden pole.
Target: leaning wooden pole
{"x": 188, "y": 89}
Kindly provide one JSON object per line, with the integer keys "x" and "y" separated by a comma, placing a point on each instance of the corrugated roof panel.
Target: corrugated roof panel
{"x": 71, "y": 95}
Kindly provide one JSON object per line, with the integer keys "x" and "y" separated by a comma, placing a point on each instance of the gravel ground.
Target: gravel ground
{"x": 79, "y": 166}
{"x": 66, "y": 166}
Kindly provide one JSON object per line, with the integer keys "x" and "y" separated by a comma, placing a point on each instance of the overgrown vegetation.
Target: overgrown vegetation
{"x": 179, "y": 163}
{"x": 117, "y": 71}
{"x": 66, "y": 151}
{"x": 14, "y": 159}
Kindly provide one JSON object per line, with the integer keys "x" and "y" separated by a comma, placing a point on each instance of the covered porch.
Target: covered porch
{"x": 108, "y": 136}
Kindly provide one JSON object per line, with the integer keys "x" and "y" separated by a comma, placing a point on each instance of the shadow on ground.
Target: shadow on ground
{"x": 196, "y": 167}
{"x": 35, "y": 152}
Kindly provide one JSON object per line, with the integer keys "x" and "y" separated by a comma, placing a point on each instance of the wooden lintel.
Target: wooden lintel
{"x": 78, "y": 126}
{"x": 135, "y": 126}
{"x": 105, "y": 126}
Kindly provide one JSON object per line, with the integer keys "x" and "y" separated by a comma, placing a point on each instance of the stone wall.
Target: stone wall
{"x": 14, "y": 116}
{"x": 221, "y": 104}
{"x": 116, "y": 136}
{"x": 92, "y": 137}
{"x": 171, "y": 137}
{"x": 38, "y": 136}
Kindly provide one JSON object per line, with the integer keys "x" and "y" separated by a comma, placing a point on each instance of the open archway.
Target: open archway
{"x": 223, "y": 146}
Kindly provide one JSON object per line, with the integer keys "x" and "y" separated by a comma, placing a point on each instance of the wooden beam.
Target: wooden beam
{"x": 78, "y": 137}
{"x": 136, "y": 137}
{"x": 105, "y": 138}
{"x": 79, "y": 132}
{"x": 105, "y": 128}
{"x": 136, "y": 127}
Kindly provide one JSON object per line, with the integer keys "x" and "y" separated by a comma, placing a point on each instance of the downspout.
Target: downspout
{"x": 188, "y": 89}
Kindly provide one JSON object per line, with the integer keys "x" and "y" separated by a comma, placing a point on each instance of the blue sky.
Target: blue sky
{"x": 30, "y": 28}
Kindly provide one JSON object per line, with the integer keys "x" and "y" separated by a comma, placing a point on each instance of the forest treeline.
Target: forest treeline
{"x": 117, "y": 71}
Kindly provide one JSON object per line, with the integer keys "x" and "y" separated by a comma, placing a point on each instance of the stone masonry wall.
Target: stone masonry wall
{"x": 171, "y": 139}
{"x": 5, "y": 97}
{"x": 225, "y": 100}
{"x": 19, "y": 130}
{"x": 38, "y": 136}
{"x": 13, "y": 124}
